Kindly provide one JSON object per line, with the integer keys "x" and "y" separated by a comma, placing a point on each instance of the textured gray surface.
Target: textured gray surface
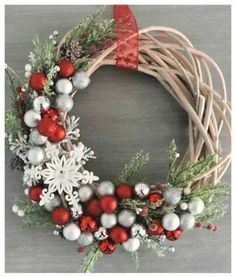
{"x": 121, "y": 113}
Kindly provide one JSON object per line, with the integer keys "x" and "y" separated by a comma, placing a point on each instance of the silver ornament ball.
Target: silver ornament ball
{"x": 85, "y": 239}
{"x": 126, "y": 218}
{"x": 41, "y": 104}
{"x": 187, "y": 221}
{"x": 52, "y": 203}
{"x": 85, "y": 192}
{"x": 172, "y": 196}
{"x": 170, "y": 221}
{"x": 108, "y": 220}
{"x": 101, "y": 233}
{"x": 71, "y": 231}
{"x": 106, "y": 187}
{"x": 36, "y": 138}
{"x": 196, "y": 206}
{"x": 64, "y": 103}
{"x": 141, "y": 189}
{"x": 36, "y": 155}
{"x": 131, "y": 245}
{"x": 80, "y": 80}
{"x": 64, "y": 86}
{"x": 32, "y": 118}
{"x": 138, "y": 231}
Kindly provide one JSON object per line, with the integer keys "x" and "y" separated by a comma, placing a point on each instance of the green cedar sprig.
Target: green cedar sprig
{"x": 91, "y": 258}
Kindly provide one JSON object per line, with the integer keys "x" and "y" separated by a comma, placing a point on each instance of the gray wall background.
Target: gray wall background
{"x": 121, "y": 113}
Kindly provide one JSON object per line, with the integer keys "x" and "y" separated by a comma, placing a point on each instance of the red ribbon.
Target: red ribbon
{"x": 127, "y": 38}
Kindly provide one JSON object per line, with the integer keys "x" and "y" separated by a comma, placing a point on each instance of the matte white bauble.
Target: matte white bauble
{"x": 101, "y": 233}
{"x": 36, "y": 155}
{"x": 32, "y": 118}
{"x": 131, "y": 245}
{"x": 85, "y": 192}
{"x": 41, "y": 104}
{"x": 85, "y": 239}
{"x": 64, "y": 103}
{"x": 126, "y": 218}
{"x": 170, "y": 221}
{"x": 52, "y": 203}
{"x": 196, "y": 206}
{"x": 187, "y": 221}
{"x": 108, "y": 220}
{"x": 106, "y": 187}
{"x": 71, "y": 231}
{"x": 36, "y": 138}
{"x": 141, "y": 189}
{"x": 138, "y": 231}
{"x": 80, "y": 80}
{"x": 64, "y": 86}
{"x": 172, "y": 196}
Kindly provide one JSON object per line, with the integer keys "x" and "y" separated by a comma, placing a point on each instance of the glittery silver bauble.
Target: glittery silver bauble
{"x": 170, "y": 221}
{"x": 105, "y": 187}
{"x": 36, "y": 155}
{"x": 64, "y": 86}
{"x": 138, "y": 231}
{"x": 36, "y": 138}
{"x": 80, "y": 80}
{"x": 196, "y": 206}
{"x": 108, "y": 220}
{"x": 131, "y": 245}
{"x": 187, "y": 221}
{"x": 141, "y": 189}
{"x": 71, "y": 231}
{"x": 126, "y": 218}
{"x": 85, "y": 192}
{"x": 52, "y": 203}
{"x": 85, "y": 239}
{"x": 64, "y": 103}
{"x": 41, "y": 104}
{"x": 172, "y": 196}
{"x": 32, "y": 118}
{"x": 101, "y": 233}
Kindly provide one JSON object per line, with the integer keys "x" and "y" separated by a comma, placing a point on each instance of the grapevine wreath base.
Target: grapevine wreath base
{"x": 100, "y": 216}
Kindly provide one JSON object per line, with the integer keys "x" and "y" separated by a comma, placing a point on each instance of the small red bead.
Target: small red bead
{"x": 211, "y": 226}
{"x": 37, "y": 81}
{"x": 199, "y": 225}
{"x": 107, "y": 246}
{"x": 58, "y": 135}
{"x": 154, "y": 197}
{"x": 81, "y": 249}
{"x": 67, "y": 68}
{"x": 144, "y": 212}
{"x": 216, "y": 229}
{"x": 94, "y": 207}
{"x": 173, "y": 235}
{"x": 124, "y": 191}
{"x": 60, "y": 215}
{"x": 108, "y": 203}
{"x": 119, "y": 234}
{"x": 18, "y": 89}
{"x": 47, "y": 127}
{"x": 35, "y": 193}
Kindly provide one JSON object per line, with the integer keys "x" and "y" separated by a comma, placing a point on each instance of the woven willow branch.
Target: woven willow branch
{"x": 187, "y": 74}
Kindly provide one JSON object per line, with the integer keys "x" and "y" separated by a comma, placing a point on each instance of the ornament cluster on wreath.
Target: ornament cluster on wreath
{"x": 45, "y": 141}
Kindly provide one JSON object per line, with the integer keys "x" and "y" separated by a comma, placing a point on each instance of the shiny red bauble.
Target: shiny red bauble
{"x": 67, "y": 68}
{"x": 124, "y": 191}
{"x": 60, "y": 216}
{"x": 58, "y": 135}
{"x": 35, "y": 192}
{"x": 108, "y": 203}
{"x": 155, "y": 228}
{"x": 37, "y": 81}
{"x": 87, "y": 224}
{"x": 107, "y": 246}
{"x": 51, "y": 114}
{"x": 154, "y": 197}
{"x": 174, "y": 235}
{"x": 47, "y": 127}
{"x": 94, "y": 207}
{"x": 119, "y": 234}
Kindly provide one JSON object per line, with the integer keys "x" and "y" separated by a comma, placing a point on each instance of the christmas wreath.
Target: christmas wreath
{"x": 44, "y": 139}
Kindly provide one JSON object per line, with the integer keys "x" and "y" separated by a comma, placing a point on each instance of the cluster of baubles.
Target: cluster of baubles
{"x": 44, "y": 120}
{"x": 104, "y": 219}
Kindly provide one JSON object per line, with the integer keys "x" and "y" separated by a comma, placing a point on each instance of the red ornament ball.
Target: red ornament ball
{"x": 87, "y": 224}
{"x": 154, "y": 197}
{"x": 155, "y": 228}
{"x": 35, "y": 192}
{"x": 60, "y": 216}
{"x": 37, "y": 81}
{"x": 51, "y": 114}
{"x": 124, "y": 191}
{"x": 174, "y": 235}
{"x": 67, "y": 68}
{"x": 119, "y": 234}
{"x": 58, "y": 135}
{"x": 94, "y": 207}
{"x": 47, "y": 127}
{"x": 107, "y": 246}
{"x": 108, "y": 203}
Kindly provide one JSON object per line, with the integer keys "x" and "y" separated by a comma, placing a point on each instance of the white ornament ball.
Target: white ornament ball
{"x": 172, "y": 196}
{"x": 71, "y": 231}
{"x": 20, "y": 213}
{"x": 85, "y": 239}
{"x": 183, "y": 206}
{"x": 41, "y": 104}
{"x": 108, "y": 220}
{"x": 131, "y": 245}
{"x": 64, "y": 103}
{"x": 187, "y": 221}
{"x": 106, "y": 187}
{"x": 15, "y": 208}
{"x": 27, "y": 74}
{"x": 187, "y": 191}
{"x": 101, "y": 233}
{"x": 52, "y": 203}
{"x": 126, "y": 218}
{"x": 85, "y": 193}
{"x": 36, "y": 155}
{"x": 36, "y": 138}
{"x": 28, "y": 67}
{"x": 196, "y": 206}
{"x": 170, "y": 221}
{"x": 80, "y": 80}
{"x": 138, "y": 231}
{"x": 141, "y": 189}
{"x": 32, "y": 118}
{"x": 64, "y": 86}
